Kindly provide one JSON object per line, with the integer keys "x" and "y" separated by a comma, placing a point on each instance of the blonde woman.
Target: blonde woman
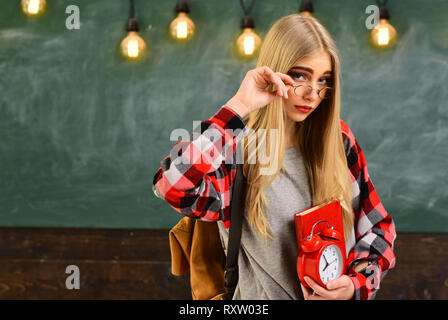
{"x": 294, "y": 92}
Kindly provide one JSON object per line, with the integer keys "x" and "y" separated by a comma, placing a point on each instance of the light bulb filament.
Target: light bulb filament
{"x": 33, "y": 6}
{"x": 181, "y": 29}
{"x": 133, "y": 48}
{"x": 249, "y": 45}
{"x": 383, "y": 37}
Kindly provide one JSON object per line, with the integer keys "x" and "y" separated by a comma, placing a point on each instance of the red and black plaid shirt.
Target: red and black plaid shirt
{"x": 196, "y": 178}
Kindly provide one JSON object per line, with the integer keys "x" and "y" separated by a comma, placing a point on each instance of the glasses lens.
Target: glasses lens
{"x": 326, "y": 93}
{"x": 303, "y": 90}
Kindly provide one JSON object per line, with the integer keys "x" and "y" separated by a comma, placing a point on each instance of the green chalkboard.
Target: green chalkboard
{"x": 82, "y": 131}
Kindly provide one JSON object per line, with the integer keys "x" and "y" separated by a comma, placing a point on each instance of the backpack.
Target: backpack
{"x": 196, "y": 247}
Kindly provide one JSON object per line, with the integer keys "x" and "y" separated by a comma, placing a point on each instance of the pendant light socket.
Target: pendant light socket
{"x": 182, "y": 6}
{"x": 248, "y": 22}
{"x": 132, "y": 25}
{"x": 306, "y": 5}
{"x": 384, "y": 13}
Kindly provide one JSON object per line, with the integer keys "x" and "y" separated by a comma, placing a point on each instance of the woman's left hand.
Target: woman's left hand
{"x": 338, "y": 289}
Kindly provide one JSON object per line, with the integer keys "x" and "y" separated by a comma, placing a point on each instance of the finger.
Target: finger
{"x": 306, "y": 292}
{"x": 274, "y": 79}
{"x": 279, "y": 84}
{"x": 309, "y": 294}
{"x": 317, "y": 297}
{"x": 317, "y": 288}
{"x": 338, "y": 283}
{"x": 286, "y": 78}
{"x": 285, "y": 82}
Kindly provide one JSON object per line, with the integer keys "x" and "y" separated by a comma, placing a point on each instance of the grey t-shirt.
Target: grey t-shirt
{"x": 268, "y": 268}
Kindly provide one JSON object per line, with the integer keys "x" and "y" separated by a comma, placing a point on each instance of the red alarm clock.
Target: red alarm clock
{"x": 322, "y": 255}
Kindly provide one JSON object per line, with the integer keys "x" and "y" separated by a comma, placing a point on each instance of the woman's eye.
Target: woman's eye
{"x": 324, "y": 81}
{"x": 298, "y": 76}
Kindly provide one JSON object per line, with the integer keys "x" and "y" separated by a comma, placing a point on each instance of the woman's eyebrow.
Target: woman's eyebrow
{"x": 309, "y": 70}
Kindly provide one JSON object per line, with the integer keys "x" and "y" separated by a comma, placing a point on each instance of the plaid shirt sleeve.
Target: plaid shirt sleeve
{"x": 374, "y": 227}
{"x": 196, "y": 176}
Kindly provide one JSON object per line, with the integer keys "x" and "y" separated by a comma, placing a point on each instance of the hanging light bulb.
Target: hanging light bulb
{"x": 248, "y": 43}
{"x": 132, "y": 46}
{"x": 384, "y": 34}
{"x": 33, "y": 7}
{"x": 306, "y": 8}
{"x": 182, "y": 27}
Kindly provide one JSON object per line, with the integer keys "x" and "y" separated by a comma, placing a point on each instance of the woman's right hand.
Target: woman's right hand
{"x": 252, "y": 94}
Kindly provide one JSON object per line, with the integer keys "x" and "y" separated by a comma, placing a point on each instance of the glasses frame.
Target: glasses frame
{"x": 318, "y": 91}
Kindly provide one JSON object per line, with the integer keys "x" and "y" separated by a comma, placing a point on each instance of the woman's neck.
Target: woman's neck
{"x": 290, "y": 134}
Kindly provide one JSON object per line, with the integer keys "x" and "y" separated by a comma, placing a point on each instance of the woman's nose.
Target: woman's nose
{"x": 310, "y": 94}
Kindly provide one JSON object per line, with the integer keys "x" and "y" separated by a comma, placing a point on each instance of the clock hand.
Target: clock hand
{"x": 333, "y": 261}
{"x": 327, "y": 264}
{"x": 325, "y": 258}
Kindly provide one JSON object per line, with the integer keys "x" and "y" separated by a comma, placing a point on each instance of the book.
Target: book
{"x": 305, "y": 220}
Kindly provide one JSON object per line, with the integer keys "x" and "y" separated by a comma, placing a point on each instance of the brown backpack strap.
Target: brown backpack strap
{"x": 236, "y": 224}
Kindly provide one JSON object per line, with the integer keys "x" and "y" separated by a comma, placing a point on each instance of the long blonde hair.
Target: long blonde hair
{"x": 291, "y": 39}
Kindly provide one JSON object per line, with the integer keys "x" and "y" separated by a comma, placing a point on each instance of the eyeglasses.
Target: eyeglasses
{"x": 304, "y": 89}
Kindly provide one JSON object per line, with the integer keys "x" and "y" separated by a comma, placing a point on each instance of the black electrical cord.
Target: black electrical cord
{"x": 247, "y": 11}
{"x": 132, "y": 10}
{"x": 247, "y": 22}
{"x": 132, "y": 24}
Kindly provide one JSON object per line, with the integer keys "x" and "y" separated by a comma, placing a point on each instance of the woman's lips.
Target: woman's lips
{"x": 304, "y": 109}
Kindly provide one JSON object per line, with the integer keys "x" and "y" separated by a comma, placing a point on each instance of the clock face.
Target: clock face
{"x": 330, "y": 263}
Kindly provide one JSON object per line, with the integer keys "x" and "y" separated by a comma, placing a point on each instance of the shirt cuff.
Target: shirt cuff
{"x": 229, "y": 119}
{"x": 366, "y": 282}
